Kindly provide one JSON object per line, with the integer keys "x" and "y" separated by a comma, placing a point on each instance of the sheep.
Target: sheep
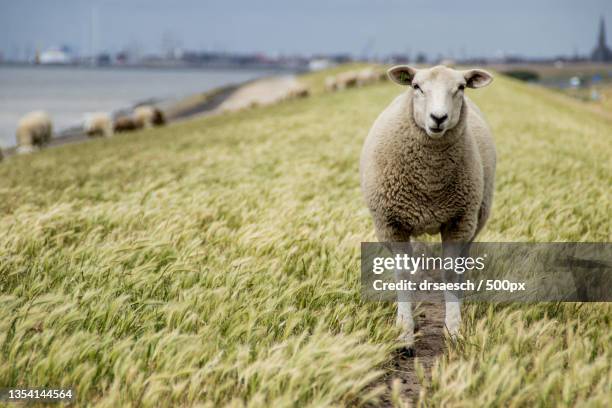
{"x": 98, "y": 124}
{"x": 366, "y": 76}
{"x": 147, "y": 116}
{"x": 331, "y": 84}
{"x": 346, "y": 80}
{"x": 428, "y": 166}
{"x": 143, "y": 116}
{"x": 448, "y": 62}
{"x": 298, "y": 91}
{"x": 125, "y": 124}
{"x": 159, "y": 119}
{"x": 34, "y": 130}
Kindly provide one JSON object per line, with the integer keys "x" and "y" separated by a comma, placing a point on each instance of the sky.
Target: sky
{"x": 453, "y": 28}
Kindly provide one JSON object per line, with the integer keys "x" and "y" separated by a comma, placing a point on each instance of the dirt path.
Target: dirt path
{"x": 262, "y": 92}
{"x": 429, "y": 344}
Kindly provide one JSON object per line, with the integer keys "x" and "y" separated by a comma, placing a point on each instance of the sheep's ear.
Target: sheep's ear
{"x": 401, "y": 74}
{"x": 477, "y": 78}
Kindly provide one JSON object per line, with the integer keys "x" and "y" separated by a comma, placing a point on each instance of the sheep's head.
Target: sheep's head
{"x": 438, "y": 94}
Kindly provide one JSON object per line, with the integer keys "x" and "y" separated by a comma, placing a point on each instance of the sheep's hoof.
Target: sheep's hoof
{"x": 406, "y": 352}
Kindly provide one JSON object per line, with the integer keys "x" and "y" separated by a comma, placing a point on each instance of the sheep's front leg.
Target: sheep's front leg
{"x": 451, "y": 298}
{"x": 405, "y": 319}
{"x": 406, "y": 322}
{"x": 453, "y": 313}
{"x": 397, "y": 240}
{"x": 456, "y": 239}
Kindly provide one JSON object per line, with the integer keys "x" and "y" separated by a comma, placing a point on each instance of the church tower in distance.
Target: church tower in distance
{"x": 601, "y": 53}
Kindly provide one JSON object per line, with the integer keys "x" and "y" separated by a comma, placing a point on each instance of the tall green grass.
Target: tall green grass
{"x": 216, "y": 262}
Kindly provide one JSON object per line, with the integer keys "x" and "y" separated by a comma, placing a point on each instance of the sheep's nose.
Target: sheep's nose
{"x": 439, "y": 119}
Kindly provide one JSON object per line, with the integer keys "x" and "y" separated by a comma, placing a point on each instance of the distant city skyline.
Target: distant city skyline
{"x": 470, "y": 28}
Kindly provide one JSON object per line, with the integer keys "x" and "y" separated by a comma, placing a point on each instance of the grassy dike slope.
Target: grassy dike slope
{"x": 216, "y": 261}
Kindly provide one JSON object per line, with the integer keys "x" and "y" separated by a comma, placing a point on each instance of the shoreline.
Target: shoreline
{"x": 198, "y": 104}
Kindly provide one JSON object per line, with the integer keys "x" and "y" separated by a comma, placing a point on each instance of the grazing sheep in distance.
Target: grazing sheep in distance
{"x": 125, "y": 124}
{"x": 366, "y": 76}
{"x": 159, "y": 119}
{"x": 428, "y": 166}
{"x": 346, "y": 80}
{"x": 98, "y": 124}
{"x": 143, "y": 116}
{"x": 298, "y": 91}
{"x": 331, "y": 84}
{"x": 351, "y": 79}
{"x": 34, "y": 130}
{"x": 147, "y": 116}
{"x": 448, "y": 62}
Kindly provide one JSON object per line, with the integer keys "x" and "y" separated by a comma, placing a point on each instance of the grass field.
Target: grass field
{"x": 216, "y": 262}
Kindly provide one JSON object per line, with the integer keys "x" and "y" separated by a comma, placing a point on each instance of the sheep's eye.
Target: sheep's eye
{"x": 416, "y": 87}
{"x": 461, "y": 87}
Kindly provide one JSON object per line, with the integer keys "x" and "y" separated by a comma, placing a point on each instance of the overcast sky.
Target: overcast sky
{"x": 454, "y": 28}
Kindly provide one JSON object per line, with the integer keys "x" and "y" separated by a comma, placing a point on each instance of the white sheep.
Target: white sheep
{"x": 125, "y": 124}
{"x": 366, "y": 76}
{"x": 147, "y": 116}
{"x": 98, "y": 124}
{"x": 448, "y": 62}
{"x": 428, "y": 166}
{"x": 331, "y": 84}
{"x": 346, "y": 80}
{"x": 34, "y": 130}
{"x": 297, "y": 91}
{"x": 143, "y": 116}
